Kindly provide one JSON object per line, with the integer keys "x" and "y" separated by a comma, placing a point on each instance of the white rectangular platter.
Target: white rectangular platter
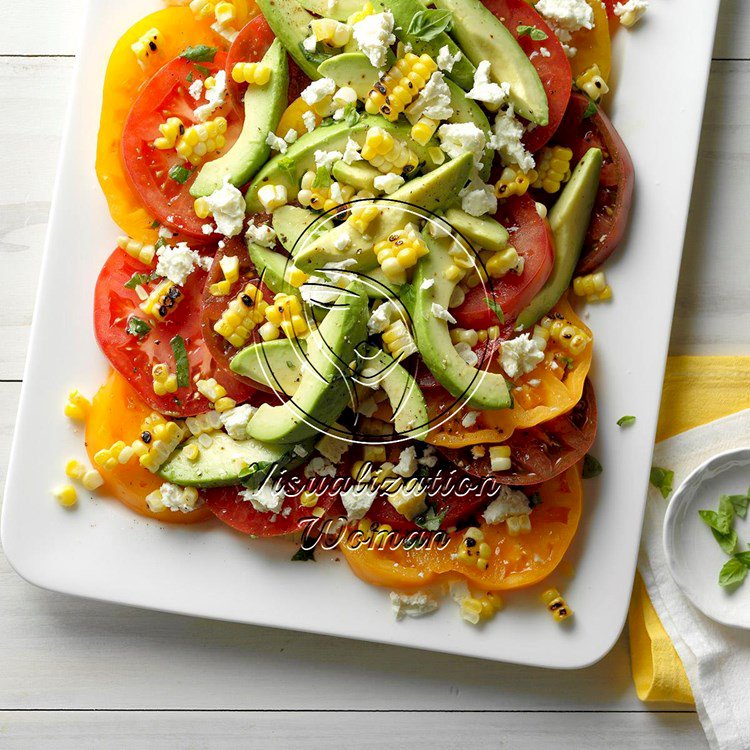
{"x": 102, "y": 551}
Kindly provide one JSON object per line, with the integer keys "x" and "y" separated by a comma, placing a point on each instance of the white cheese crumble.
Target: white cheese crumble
{"x": 330, "y": 269}
{"x": 309, "y": 43}
{"x": 630, "y": 11}
{"x": 310, "y": 120}
{"x": 412, "y": 605}
{"x": 177, "y": 262}
{"x": 319, "y": 467}
{"x": 570, "y": 15}
{"x": 407, "y": 462}
{"x": 470, "y": 419}
{"x": 459, "y": 137}
{"x": 266, "y": 499}
{"x": 276, "y": 143}
{"x": 196, "y": 88}
{"x": 434, "y": 100}
{"x": 174, "y": 498}
{"x": 317, "y": 91}
{"x": 544, "y": 52}
{"x": 262, "y": 235}
{"x": 429, "y": 458}
{"x": 320, "y": 291}
{"x": 506, "y": 139}
{"x": 507, "y": 504}
{"x": 381, "y": 318}
{"x": 215, "y": 97}
{"x": 351, "y": 152}
{"x": 441, "y": 313}
{"x": 357, "y": 501}
{"x": 374, "y": 35}
{"x": 342, "y": 241}
{"x": 445, "y": 60}
{"x": 388, "y": 183}
{"x": 478, "y": 199}
{"x": 227, "y": 206}
{"x": 235, "y": 421}
{"x": 291, "y": 135}
{"x": 427, "y": 284}
{"x": 486, "y": 90}
{"x": 467, "y": 354}
{"x": 520, "y": 356}
{"x": 327, "y": 159}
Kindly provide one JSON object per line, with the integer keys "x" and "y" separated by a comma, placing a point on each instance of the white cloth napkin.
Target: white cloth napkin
{"x": 716, "y": 658}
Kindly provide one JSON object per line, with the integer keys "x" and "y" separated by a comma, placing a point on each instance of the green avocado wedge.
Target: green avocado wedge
{"x": 264, "y": 106}
{"x": 360, "y": 174}
{"x": 482, "y": 231}
{"x": 291, "y": 222}
{"x": 482, "y": 36}
{"x": 434, "y": 191}
{"x": 569, "y": 220}
{"x": 271, "y": 267}
{"x": 275, "y": 364}
{"x": 479, "y": 389}
{"x": 340, "y": 10}
{"x": 221, "y": 464}
{"x": 325, "y": 387}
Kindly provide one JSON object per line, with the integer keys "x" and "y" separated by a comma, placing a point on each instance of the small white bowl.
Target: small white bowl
{"x": 693, "y": 555}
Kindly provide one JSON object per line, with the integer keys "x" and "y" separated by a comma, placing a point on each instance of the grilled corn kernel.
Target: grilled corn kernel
{"x": 170, "y": 131}
{"x": 423, "y": 129}
{"x": 367, "y": 10}
{"x": 593, "y": 287}
{"x": 514, "y": 181}
{"x": 66, "y": 495}
{"x": 592, "y": 83}
{"x": 163, "y": 381}
{"x": 220, "y": 288}
{"x": 473, "y": 550}
{"x": 230, "y": 267}
{"x": 540, "y": 336}
{"x": 77, "y": 406}
{"x": 272, "y": 197}
{"x": 500, "y": 458}
{"x": 162, "y": 300}
{"x": 206, "y": 422}
{"x": 202, "y": 139}
{"x": 92, "y": 480}
{"x": 556, "y": 605}
{"x": 464, "y": 336}
{"x": 400, "y": 86}
{"x": 553, "y": 168}
{"x": 286, "y": 314}
{"x": 362, "y": 215}
{"x": 210, "y": 389}
{"x": 332, "y": 33}
{"x": 188, "y": 499}
{"x": 225, "y": 13}
{"x": 400, "y": 252}
{"x": 202, "y": 208}
{"x": 397, "y": 340}
{"x": 502, "y": 262}
{"x": 408, "y": 499}
{"x": 518, "y": 525}
{"x": 244, "y": 312}
{"x": 322, "y": 198}
{"x": 74, "y": 469}
{"x": 485, "y": 334}
{"x": 202, "y": 8}
{"x": 224, "y": 404}
{"x": 387, "y": 154}
{"x": 147, "y": 46}
{"x": 163, "y": 438}
{"x": 477, "y": 607}
{"x": 137, "y": 250}
{"x": 257, "y": 74}
{"x": 565, "y": 334}
{"x": 294, "y": 277}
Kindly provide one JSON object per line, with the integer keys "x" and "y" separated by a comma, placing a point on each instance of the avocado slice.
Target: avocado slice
{"x": 482, "y": 36}
{"x": 353, "y": 69}
{"x": 360, "y": 174}
{"x": 276, "y": 364}
{"x": 340, "y": 10}
{"x": 434, "y": 191}
{"x": 291, "y": 222}
{"x": 569, "y": 220}
{"x": 324, "y": 390}
{"x": 271, "y": 267}
{"x": 221, "y": 464}
{"x": 403, "y": 13}
{"x": 481, "y": 389}
{"x": 264, "y": 106}
{"x": 483, "y": 231}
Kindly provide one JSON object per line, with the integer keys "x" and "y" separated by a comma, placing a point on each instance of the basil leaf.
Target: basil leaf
{"x": 430, "y": 520}
{"x": 739, "y": 503}
{"x": 662, "y": 479}
{"x": 591, "y": 467}
{"x": 428, "y": 24}
{"x": 203, "y": 70}
{"x": 732, "y": 573}
{"x": 744, "y": 558}
{"x": 492, "y": 304}
{"x": 139, "y": 279}
{"x": 322, "y": 178}
{"x": 303, "y": 555}
{"x": 200, "y": 53}
{"x": 728, "y": 541}
{"x": 625, "y": 421}
{"x": 351, "y": 116}
{"x": 726, "y": 513}
{"x": 137, "y": 327}
{"x": 534, "y": 500}
{"x": 590, "y": 110}
{"x": 288, "y": 168}
{"x": 179, "y": 174}
{"x": 155, "y": 224}
{"x": 536, "y": 34}
{"x": 181, "y": 361}
{"x": 711, "y": 519}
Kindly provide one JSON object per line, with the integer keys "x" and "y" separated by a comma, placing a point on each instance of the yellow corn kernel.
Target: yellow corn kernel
{"x": 593, "y": 287}
{"x": 202, "y": 208}
{"x": 408, "y": 499}
{"x": 243, "y": 313}
{"x": 272, "y": 197}
{"x": 286, "y": 313}
{"x": 400, "y": 86}
{"x": 553, "y": 168}
{"x": 500, "y": 458}
{"x": 206, "y": 422}
{"x": 397, "y": 340}
{"x": 491, "y": 333}
{"x": 202, "y": 8}
{"x": 77, "y": 406}
{"x": 367, "y": 10}
{"x": 473, "y": 550}
{"x": 225, "y": 13}
{"x": 423, "y": 129}
{"x": 224, "y": 404}
{"x": 308, "y": 499}
{"x": 66, "y": 495}
{"x": 202, "y": 139}
{"x": 399, "y": 253}
{"x": 220, "y": 288}
{"x": 518, "y": 525}
{"x": 374, "y": 453}
{"x": 565, "y": 334}
{"x": 74, "y": 469}
{"x": 163, "y": 438}
{"x": 322, "y": 198}
{"x": 362, "y": 215}
{"x": 163, "y": 381}
{"x": 514, "y": 181}
{"x": 592, "y": 83}
{"x": 556, "y": 605}
{"x": 137, "y": 250}
{"x": 502, "y": 262}
{"x": 540, "y": 336}
{"x": 230, "y": 267}
{"x": 170, "y": 131}
{"x": 162, "y": 300}
{"x": 477, "y": 607}
{"x": 92, "y": 480}
{"x": 210, "y": 389}
{"x": 464, "y": 336}
{"x": 387, "y": 154}
{"x": 147, "y": 46}
{"x": 257, "y": 74}
{"x": 332, "y": 33}
{"x": 295, "y": 277}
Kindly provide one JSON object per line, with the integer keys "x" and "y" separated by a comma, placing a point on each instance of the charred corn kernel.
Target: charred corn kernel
{"x": 333, "y": 33}
{"x": 163, "y": 381}
{"x": 485, "y": 334}
{"x": 464, "y": 336}
{"x": 244, "y": 312}
{"x": 210, "y": 389}
{"x": 399, "y": 253}
{"x": 473, "y": 550}
{"x": 367, "y": 10}
{"x": 362, "y": 215}
{"x": 206, "y": 422}
{"x": 502, "y": 262}
{"x": 398, "y": 88}
{"x": 500, "y": 458}
{"x": 162, "y": 300}
{"x": 374, "y": 453}
{"x": 322, "y": 198}
{"x": 540, "y": 336}
{"x": 224, "y": 404}
{"x": 423, "y": 129}
{"x": 518, "y": 525}
{"x": 66, "y": 495}
{"x": 556, "y": 605}
{"x": 477, "y": 607}
{"x": 92, "y": 480}
{"x": 397, "y": 340}
{"x": 294, "y": 277}
{"x": 77, "y": 406}
{"x": 230, "y": 267}
{"x": 74, "y": 469}
{"x": 164, "y": 437}
{"x": 388, "y": 154}
{"x": 272, "y": 197}
{"x": 553, "y": 168}
{"x": 202, "y": 208}
{"x": 565, "y": 334}
{"x": 170, "y": 131}
{"x": 202, "y": 139}
{"x": 592, "y": 83}
{"x": 137, "y": 250}
{"x": 514, "y": 181}
{"x": 308, "y": 499}
{"x": 593, "y": 287}
{"x": 147, "y": 46}
{"x": 257, "y": 74}
{"x": 286, "y": 314}
{"x": 377, "y": 533}
{"x": 220, "y": 288}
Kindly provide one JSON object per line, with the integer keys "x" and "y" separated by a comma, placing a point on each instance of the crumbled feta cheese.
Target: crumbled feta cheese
{"x": 429, "y": 458}
{"x": 545, "y": 52}
{"x": 342, "y": 240}
{"x": 470, "y": 419}
{"x": 467, "y": 354}
{"x": 427, "y": 284}
{"x": 407, "y": 462}
{"x": 570, "y": 15}
{"x": 381, "y": 318}
{"x": 441, "y": 313}
{"x": 477, "y": 198}
{"x": 208, "y": 229}
{"x": 412, "y": 605}
{"x": 310, "y": 120}
{"x": 266, "y": 499}
{"x": 630, "y": 11}
{"x": 330, "y": 269}
{"x": 507, "y": 140}
{"x": 333, "y": 447}
{"x": 177, "y": 499}
{"x": 176, "y": 262}
{"x": 262, "y": 235}
{"x": 507, "y": 504}
{"x": 434, "y": 100}
{"x": 309, "y": 43}
{"x": 520, "y": 355}
{"x": 235, "y": 421}
{"x": 351, "y": 152}
{"x": 368, "y": 408}
{"x": 388, "y": 183}
{"x": 358, "y": 500}
{"x": 478, "y": 451}
{"x": 215, "y": 97}
{"x": 276, "y": 143}
{"x": 291, "y": 135}
{"x": 227, "y": 206}
{"x": 320, "y": 467}
{"x": 319, "y": 291}
{"x": 445, "y": 60}
{"x": 327, "y": 159}
{"x": 374, "y": 35}
{"x": 459, "y": 137}
{"x": 486, "y": 90}
{"x": 317, "y": 91}
{"x": 196, "y": 88}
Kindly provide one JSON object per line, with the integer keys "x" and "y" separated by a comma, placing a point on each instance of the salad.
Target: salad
{"x": 344, "y": 309}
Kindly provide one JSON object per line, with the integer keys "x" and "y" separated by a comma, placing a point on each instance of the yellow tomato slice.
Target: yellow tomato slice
{"x": 292, "y": 118}
{"x": 593, "y": 45}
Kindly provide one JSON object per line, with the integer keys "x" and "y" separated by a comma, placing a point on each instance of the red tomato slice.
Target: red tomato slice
{"x": 166, "y": 95}
{"x": 553, "y": 69}
{"x": 250, "y": 46}
{"x": 531, "y": 236}
{"x": 133, "y": 357}
{"x": 612, "y": 207}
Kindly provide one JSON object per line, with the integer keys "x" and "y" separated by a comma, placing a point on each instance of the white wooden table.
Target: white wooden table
{"x": 77, "y": 674}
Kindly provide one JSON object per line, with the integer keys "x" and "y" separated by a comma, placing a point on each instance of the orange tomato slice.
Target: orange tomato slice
{"x": 593, "y": 45}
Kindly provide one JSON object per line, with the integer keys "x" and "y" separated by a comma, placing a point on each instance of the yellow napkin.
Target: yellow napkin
{"x": 697, "y": 390}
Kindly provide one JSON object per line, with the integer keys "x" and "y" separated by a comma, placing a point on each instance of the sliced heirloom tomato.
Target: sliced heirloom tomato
{"x": 148, "y": 169}
{"x": 516, "y": 562}
{"x": 593, "y": 46}
{"x": 123, "y": 80}
{"x": 553, "y": 67}
{"x": 117, "y": 413}
{"x": 612, "y": 207}
{"x": 133, "y": 356}
{"x": 532, "y": 237}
